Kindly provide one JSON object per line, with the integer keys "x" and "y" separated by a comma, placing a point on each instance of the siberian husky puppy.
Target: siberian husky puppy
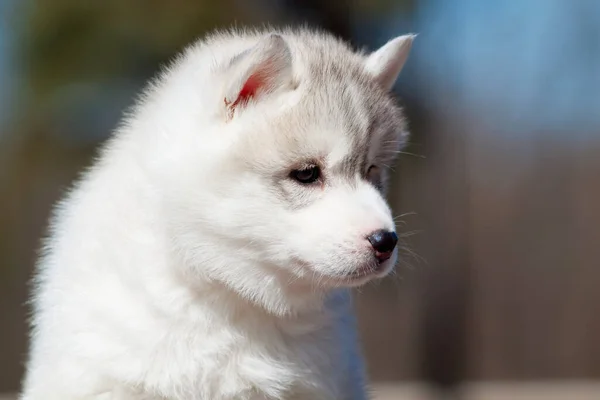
{"x": 209, "y": 252}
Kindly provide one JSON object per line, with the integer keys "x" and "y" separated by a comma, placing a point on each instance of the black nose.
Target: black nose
{"x": 383, "y": 242}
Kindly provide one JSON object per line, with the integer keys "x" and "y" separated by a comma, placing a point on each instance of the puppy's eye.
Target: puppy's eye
{"x": 373, "y": 173}
{"x": 307, "y": 175}
{"x": 374, "y": 176}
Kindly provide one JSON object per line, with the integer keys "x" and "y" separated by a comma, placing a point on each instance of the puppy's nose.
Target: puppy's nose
{"x": 383, "y": 243}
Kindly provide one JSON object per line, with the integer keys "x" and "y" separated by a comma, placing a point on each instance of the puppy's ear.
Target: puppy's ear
{"x": 386, "y": 63}
{"x": 258, "y": 71}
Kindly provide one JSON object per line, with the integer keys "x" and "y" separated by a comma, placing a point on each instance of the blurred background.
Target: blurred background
{"x": 500, "y": 184}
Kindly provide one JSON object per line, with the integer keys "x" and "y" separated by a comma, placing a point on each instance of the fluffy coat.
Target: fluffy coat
{"x": 187, "y": 264}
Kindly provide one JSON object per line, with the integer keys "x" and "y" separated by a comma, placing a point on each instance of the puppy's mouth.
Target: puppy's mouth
{"x": 364, "y": 274}
{"x": 371, "y": 270}
{"x": 365, "y": 271}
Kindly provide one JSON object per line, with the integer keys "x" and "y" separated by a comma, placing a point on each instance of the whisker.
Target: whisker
{"x": 405, "y": 214}
{"x": 411, "y": 253}
{"x": 409, "y": 233}
{"x": 409, "y": 154}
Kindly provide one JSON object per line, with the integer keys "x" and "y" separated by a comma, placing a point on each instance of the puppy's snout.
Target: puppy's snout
{"x": 383, "y": 243}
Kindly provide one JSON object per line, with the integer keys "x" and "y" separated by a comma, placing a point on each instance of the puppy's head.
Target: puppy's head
{"x": 285, "y": 179}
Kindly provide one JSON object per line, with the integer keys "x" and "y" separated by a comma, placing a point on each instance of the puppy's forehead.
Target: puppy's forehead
{"x": 339, "y": 113}
{"x": 341, "y": 150}
{"x": 349, "y": 112}
{"x": 337, "y": 121}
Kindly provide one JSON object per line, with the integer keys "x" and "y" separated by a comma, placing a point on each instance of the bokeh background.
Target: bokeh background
{"x": 500, "y": 184}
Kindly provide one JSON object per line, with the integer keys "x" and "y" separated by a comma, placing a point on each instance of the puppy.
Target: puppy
{"x": 209, "y": 252}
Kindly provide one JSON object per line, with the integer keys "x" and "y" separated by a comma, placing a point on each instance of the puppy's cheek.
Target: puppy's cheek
{"x": 307, "y": 249}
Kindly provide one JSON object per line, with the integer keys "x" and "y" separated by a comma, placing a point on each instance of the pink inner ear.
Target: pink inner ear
{"x": 249, "y": 89}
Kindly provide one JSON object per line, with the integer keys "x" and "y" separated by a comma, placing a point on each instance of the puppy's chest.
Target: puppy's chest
{"x": 266, "y": 361}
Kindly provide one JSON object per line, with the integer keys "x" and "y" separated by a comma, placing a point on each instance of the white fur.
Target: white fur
{"x": 386, "y": 63}
{"x": 187, "y": 264}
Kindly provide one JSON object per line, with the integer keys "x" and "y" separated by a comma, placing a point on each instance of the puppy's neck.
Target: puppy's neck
{"x": 272, "y": 296}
